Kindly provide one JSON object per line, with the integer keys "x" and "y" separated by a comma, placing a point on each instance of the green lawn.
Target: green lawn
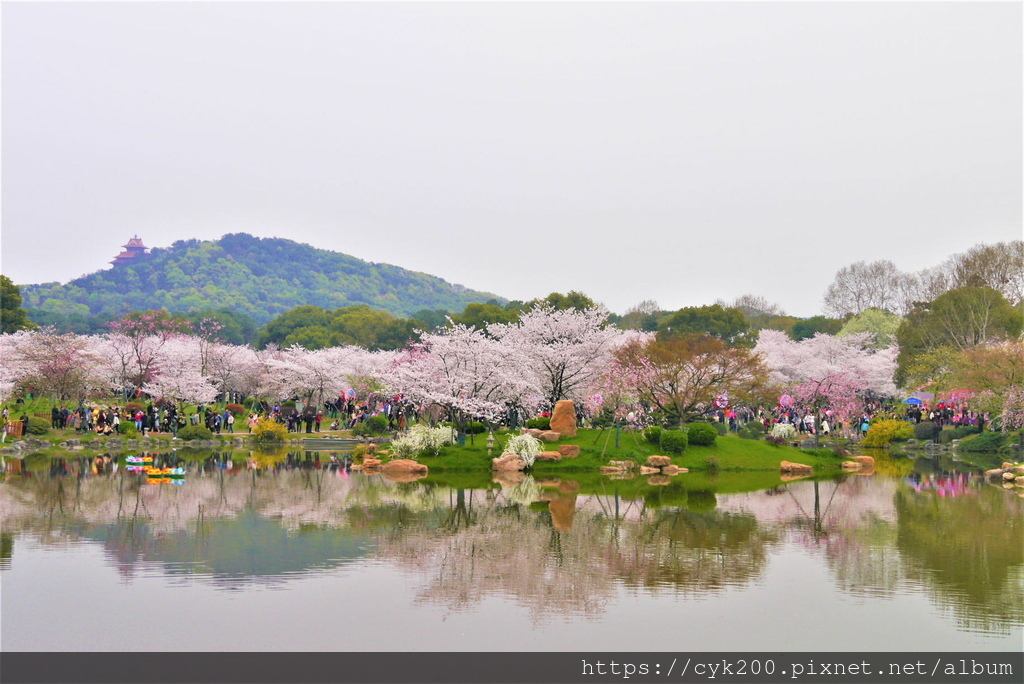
{"x": 597, "y": 449}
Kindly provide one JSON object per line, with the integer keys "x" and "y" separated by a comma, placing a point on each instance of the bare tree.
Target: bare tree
{"x": 999, "y": 266}
{"x": 862, "y": 286}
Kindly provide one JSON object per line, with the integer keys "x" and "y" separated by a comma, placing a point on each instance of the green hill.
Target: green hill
{"x": 258, "y": 277}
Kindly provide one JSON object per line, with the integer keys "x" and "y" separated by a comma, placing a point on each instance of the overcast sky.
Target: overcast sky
{"x": 681, "y": 152}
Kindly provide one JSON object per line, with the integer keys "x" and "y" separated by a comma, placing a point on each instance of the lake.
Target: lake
{"x": 920, "y": 555}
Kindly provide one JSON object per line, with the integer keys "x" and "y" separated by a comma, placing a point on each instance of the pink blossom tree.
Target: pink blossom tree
{"x": 463, "y": 370}
{"x": 176, "y": 372}
{"x": 563, "y": 352}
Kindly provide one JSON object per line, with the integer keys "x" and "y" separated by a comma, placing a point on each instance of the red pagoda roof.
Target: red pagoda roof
{"x": 134, "y": 244}
{"x": 131, "y": 250}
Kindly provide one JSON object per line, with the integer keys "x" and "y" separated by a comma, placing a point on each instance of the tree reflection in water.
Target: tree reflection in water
{"x": 547, "y": 545}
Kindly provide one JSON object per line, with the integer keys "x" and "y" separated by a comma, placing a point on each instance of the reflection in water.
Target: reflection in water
{"x": 554, "y": 547}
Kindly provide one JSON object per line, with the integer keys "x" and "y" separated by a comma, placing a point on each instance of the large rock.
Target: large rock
{"x": 533, "y": 432}
{"x": 563, "y": 418}
{"x": 549, "y": 436}
{"x": 569, "y": 450}
{"x": 795, "y": 468}
{"x": 371, "y": 462}
{"x": 508, "y": 462}
{"x": 608, "y": 470}
{"x": 866, "y": 461}
{"x": 995, "y": 473}
{"x": 644, "y": 470}
{"x": 549, "y": 456}
{"x": 851, "y": 465}
{"x": 404, "y": 465}
{"x": 625, "y": 465}
{"x": 674, "y": 470}
{"x": 658, "y": 461}
{"x": 1009, "y": 477}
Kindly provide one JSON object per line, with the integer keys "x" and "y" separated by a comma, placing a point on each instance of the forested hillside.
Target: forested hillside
{"x": 258, "y": 277}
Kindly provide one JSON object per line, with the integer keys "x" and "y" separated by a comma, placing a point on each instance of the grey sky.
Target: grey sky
{"x": 681, "y": 152}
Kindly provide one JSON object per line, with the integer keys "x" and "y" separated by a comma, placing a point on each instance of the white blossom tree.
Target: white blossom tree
{"x": 564, "y": 352}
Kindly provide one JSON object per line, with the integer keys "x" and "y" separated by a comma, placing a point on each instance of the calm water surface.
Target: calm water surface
{"x": 917, "y": 556}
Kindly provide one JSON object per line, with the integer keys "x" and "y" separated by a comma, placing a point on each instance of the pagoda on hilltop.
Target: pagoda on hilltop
{"x": 132, "y": 250}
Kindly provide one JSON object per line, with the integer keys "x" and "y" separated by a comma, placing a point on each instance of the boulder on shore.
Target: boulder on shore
{"x": 866, "y": 461}
{"x": 659, "y": 461}
{"x": 508, "y": 462}
{"x": 563, "y": 418}
{"x": 404, "y": 465}
{"x": 645, "y": 470}
{"x": 674, "y": 470}
{"x": 549, "y": 456}
{"x": 569, "y": 450}
{"x": 795, "y": 468}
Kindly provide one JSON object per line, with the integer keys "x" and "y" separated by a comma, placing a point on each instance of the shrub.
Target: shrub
{"x": 237, "y": 410}
{"x": 539, "y": 423}
{"x": 927, "y": 431}
{"x": 128, "y": 429}
{"x": 949, "y": 434}
{"x": 195, "y": 432}
{"x": 674, "y": 441}
{"x": 783, "y": 431}
{"x": 422, "y": 440}
{"x": 882, "y": 432}
{"x": 702, "y": 434}
{"x": 38, "y": 426}
{"x": 525, "y": 446}
{"x": 132, "y": 407}
{"x": 475, "y": 428}
{"x": 986, "y": 441}
{"x": 653, "y": 434}
{"x": 374, "y": 425}
{"x": 721, "y": 428}
{"x": 712, "y": 463}
{"x": 776, "y": 441}
{"x": 752, "y": 430}
{"x": 267, "y": 430}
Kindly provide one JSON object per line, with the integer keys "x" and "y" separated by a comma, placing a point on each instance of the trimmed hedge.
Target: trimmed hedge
{"x": 985, "y": 442}
{"x": 195, "y": 432}
{"x": 38, "y": 426}
{"x": 927, "y": 431}
{"x": 674, "y": 441}
{"x": 539, "y": 423}
{"x": 653, "y": 434}
{"x": 702, "y": 434}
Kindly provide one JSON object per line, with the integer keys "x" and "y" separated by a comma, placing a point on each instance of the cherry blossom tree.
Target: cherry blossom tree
{"x": 464, "y": 370}
{"x": 563, "y": 351}
{"x": 65, "y": 366}
{"x": 311, "y": 375}
{"x": 812, "y": 360}
{"x": 176, "y": 372}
